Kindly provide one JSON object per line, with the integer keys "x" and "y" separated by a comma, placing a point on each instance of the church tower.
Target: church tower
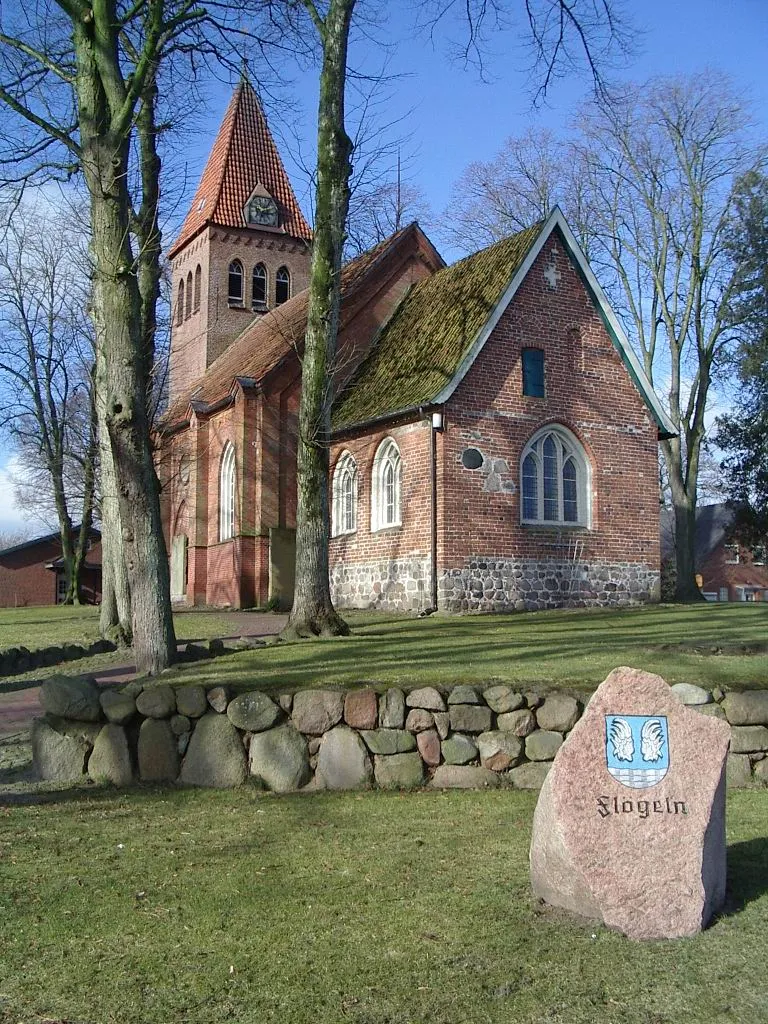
{"x": 244, "y": 246}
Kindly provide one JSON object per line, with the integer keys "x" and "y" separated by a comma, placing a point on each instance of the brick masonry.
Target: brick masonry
{"x": 486, "y": 559}
{"x": 26, "y": 580}
{"x": 262, "y": 424}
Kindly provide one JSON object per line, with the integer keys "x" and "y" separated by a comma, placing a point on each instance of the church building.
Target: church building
{"x": 494, "y": 435}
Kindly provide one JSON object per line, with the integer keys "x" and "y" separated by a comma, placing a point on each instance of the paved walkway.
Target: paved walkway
{"x": 18, "y": 708}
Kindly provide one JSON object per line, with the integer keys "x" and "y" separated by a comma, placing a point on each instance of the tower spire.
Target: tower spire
{"x": 243, "y": 156}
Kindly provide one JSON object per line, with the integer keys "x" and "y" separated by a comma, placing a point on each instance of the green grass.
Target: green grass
{"x": 572, "y": 649}
{"x": 64, "y": 624}
{"x": 163, "y": 906}
{"x": 710, "y": 644}
{"x": 56, "y": 625}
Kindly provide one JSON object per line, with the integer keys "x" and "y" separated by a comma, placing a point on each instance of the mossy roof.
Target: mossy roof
{"x": 420, "y": 349}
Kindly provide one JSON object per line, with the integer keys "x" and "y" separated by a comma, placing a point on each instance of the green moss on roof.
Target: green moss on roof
{"x": 421, "y": 347}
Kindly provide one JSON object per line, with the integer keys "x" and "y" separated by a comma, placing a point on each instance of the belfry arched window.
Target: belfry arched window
{"x": 198, "y": 284}
{"x": 386, "y": 486}
{"x": 555, "y": 479}
{"x": 188, "y": 312}
{"x": 282, "y": 285}
{"x": 259, "y": 286}
{"x": 236, "y": 283}
{"x": 227, "y": 476}
{"x": 180, "y": 304}
{"x": 344, "y": 508}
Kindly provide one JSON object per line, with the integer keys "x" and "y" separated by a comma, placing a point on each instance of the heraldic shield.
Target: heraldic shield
{"x": 637, "y": 749}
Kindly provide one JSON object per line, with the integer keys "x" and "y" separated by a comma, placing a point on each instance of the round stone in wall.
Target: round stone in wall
{"x": 471, "y": 458}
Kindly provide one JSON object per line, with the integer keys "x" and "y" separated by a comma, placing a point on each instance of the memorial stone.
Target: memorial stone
{"x": 630, "y": 823}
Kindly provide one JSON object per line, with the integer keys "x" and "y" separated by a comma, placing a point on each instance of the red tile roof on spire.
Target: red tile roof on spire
{"x": 243, "y": 156}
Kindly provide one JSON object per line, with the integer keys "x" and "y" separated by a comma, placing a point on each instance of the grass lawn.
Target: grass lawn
{"x": 64, "y": 624}
{"x": 711, "y": 644}
{"x": 703, "y": 644}
{"x": 204, "y": 907}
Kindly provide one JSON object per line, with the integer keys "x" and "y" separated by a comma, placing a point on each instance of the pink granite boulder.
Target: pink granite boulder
{"x": 630, "y": 823}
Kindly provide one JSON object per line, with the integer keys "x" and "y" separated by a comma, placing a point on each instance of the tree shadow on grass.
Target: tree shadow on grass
{"x": 747, "y": 874}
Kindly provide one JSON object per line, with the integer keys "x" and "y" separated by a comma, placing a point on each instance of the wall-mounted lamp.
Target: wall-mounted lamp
{"x": 437, "y": 421}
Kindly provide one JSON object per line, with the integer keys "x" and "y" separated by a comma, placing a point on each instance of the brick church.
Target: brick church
{"x": 495, "y": 437}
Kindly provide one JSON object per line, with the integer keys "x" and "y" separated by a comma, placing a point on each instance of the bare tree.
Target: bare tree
{"x": 85, "y": 83}
{"x": 492, "y": 199}
{"x": 661, "y": 161}
{"x": 10, "y": 538}
{"x": 379, "y": 210}
{"x": 46, "y": 381}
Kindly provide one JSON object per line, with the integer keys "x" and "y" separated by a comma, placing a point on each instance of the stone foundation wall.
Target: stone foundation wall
{"x": 464, "y": 737}
{"x": 397, "y": 585}
{"x": 493, "y": 585}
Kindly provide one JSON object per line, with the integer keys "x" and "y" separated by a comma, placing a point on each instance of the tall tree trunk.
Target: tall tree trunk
{"x": 89, "y": 488}
{"x": 313, "y": 612}
{"x": 115, "y": 615}
{"x": 684, "y": 495}
{"x": 117, "y": 313}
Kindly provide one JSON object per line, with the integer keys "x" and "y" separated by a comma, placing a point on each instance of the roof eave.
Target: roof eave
{"x": 406, "y": 412}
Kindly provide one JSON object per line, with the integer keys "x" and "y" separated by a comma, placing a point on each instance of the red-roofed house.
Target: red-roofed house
{"x": 495, "y": 437}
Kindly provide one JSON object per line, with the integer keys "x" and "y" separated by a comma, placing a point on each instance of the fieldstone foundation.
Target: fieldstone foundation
{"x": 494, "y": 585}
{"x": 397, "y": 585}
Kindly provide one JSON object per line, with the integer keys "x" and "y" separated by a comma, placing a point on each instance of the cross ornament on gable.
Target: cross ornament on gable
{"x": 552, "y": 275}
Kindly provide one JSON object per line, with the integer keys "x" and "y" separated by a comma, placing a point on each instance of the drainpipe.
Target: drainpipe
{"x": 437, "y": 427}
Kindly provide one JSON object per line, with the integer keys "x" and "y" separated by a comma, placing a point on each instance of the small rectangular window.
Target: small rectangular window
{"x": 731, "y": 554}
{"x": 533, "y": 372}
{"x": 723, "y": 593}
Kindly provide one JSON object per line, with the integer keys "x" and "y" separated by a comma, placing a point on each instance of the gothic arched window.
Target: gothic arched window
{"x": 180, "y": 304}
{"x": 386, "y": 486}
{"x": 235, "y": 283}
{"x": 554, "y": 472}
{"x": 259, "y": 286}
{"x": 188, "y": 311}
{"x": 344, "y": 508}
{"x": 227, "y": 473}
{"x": 282, "y": 285}
{"x": 198, "y": 285}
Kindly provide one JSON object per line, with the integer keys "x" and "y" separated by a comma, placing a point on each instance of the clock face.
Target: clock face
{"x": 262, "y": 210}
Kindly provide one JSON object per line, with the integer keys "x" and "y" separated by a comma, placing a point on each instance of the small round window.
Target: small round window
{"x": 471, "y": 458}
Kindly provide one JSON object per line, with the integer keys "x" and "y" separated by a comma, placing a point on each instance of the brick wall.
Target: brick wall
{"x": 487, "y": 560}
{"x": 204, "y": 335}
{"x": 719, "y": 572}
{"x": 387, "y": 568}
{"x": 25, "y": 580}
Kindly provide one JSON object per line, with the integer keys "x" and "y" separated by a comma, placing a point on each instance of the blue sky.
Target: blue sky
{"x": 454, "y": 118}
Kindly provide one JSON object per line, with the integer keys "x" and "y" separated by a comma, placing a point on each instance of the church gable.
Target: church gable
{"x": 441, "y": 329}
